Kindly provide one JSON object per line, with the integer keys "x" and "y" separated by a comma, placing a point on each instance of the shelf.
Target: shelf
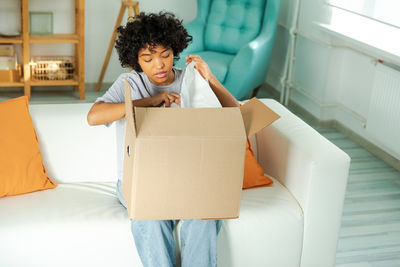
{"x": 77, "y": 38}
{"x": 41, "y": 83}
{"x": 11, "y": 84}
{"x": 11, "y": 40}
{"x": 54, "y": 83}
{"x": 55, "y": 39}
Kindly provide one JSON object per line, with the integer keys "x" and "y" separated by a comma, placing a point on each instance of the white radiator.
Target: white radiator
{"x": 383, "y": 123}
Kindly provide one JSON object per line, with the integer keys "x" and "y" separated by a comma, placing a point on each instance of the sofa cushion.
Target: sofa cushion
{"x": 72, "y": 150}
{"x": 76, "y": 224}
{"x": 83, "y": 224}
{"x": 253, "y": 173}
{"x": 21, "y": 167}
{"x": 269, "y": 230}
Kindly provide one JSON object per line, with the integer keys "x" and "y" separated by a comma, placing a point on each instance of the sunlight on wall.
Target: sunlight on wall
{"x": 386, "y": 11}
{"x": 365, "y": 30}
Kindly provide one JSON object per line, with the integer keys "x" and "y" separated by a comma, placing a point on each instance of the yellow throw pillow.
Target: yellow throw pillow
{"x": 253, "y": 172}
{"x": 21, "y": 167}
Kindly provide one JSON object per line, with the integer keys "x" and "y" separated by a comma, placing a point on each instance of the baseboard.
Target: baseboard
{"x": 369, "y": 146}
{"x": 310, "y": 118}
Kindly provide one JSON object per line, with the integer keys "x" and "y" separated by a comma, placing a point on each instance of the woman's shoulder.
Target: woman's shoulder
{"x": 132, "y": 75}
{"x": 134, "y": 78}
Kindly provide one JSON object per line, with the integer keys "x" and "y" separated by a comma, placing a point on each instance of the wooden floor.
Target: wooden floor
{"x": 370, "y": 231}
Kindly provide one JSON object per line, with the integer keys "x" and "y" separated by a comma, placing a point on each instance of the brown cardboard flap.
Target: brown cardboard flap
{"x": 129, "y": 118}
{"x": 130, "y": 139}
{"x": 257, "y": 116}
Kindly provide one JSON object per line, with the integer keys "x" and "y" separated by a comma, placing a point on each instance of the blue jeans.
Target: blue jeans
{"x": 155, "y": 242}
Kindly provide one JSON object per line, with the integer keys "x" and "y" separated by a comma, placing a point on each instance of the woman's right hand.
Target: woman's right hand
{"x": 167, "y": 98}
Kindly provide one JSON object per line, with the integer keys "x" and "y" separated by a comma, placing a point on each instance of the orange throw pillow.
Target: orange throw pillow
{"x": 21, "y": 167}
{"x": 253, "y": 172}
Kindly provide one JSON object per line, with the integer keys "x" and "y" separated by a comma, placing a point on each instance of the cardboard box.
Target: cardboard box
{"x": 8, "y": 63}
{"x": 9, "y": 76}
{"x": 187, "y": 163}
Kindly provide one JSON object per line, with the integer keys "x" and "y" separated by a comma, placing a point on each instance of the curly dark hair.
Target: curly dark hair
{"x": 150, "y": 30}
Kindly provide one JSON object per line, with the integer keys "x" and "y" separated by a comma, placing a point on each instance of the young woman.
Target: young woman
{"x": 149, "y": 45}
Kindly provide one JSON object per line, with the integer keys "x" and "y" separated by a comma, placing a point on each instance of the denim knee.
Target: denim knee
{"x": 152, "y": 226}
{"x": 154, "y": 242}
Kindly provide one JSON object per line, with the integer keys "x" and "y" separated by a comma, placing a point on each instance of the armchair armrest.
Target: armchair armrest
{"x": 254, "y": 58}
{"x": 315, "y": 171}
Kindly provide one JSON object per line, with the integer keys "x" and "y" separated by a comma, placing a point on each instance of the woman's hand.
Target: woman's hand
{"x": 200, "y": 66}
{"x": 165, "y": 97}
{"x": 223, "y": 95}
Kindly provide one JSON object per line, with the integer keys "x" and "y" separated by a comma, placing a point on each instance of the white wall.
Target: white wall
{"x": 331, "y": 80}
{"x": 100, "y": 18}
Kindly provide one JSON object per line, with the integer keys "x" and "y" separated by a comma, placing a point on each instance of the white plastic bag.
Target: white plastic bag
{"x": 196, "y": 92}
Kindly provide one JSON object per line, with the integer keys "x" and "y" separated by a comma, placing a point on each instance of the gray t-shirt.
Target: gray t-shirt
{"x": 141, "y": 87}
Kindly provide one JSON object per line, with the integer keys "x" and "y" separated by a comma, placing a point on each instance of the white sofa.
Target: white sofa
{"x": 81, "y": 222}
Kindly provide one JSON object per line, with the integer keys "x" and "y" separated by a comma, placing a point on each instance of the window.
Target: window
{"x": 370, "y": 26}
{"x": 385, "y": 11}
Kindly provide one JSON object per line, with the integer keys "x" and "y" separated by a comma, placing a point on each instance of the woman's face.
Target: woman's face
{"x": 157, "y": 63}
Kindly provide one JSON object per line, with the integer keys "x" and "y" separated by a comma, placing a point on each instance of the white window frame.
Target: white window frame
{"x": 368, "y": 10}
{"x": 368, "y": 35}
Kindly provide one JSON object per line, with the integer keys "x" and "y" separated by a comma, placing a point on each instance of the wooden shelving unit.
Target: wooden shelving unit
{"x": 55, "y": 38}
{"x": 15, "y": 40}
{"x": 76, "y": 38}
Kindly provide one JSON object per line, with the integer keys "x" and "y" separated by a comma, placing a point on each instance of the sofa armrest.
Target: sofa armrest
{"x": 315, "y": 171}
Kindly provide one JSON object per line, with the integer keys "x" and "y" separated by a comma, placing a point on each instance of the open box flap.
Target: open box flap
{"x": 256, "y": 116}
{"x": 130, "y": 138}
{"x": 129, "y": 117}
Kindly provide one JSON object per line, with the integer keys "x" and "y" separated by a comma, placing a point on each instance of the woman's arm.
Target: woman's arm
{"x": 102, "y": 112}
{"x": 224, "y": 96}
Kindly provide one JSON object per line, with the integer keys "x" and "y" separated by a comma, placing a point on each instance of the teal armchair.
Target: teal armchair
{"x": 235, "y": 38}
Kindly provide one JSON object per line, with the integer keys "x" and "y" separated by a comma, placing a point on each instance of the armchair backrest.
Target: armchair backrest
{"x": 232, "y": 24}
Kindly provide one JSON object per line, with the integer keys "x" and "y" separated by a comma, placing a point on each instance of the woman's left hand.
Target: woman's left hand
{"x": 200, "y": 66}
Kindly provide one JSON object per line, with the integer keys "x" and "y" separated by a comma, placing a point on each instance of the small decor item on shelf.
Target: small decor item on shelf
{"x": 6, "y": 50}
{"x": 9, "y": 70}
{"x": 8, "y": 62}
{"x": 52, "y": 68}
{"x": 40, "y": 23}
{"x": 11, "y": 75}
